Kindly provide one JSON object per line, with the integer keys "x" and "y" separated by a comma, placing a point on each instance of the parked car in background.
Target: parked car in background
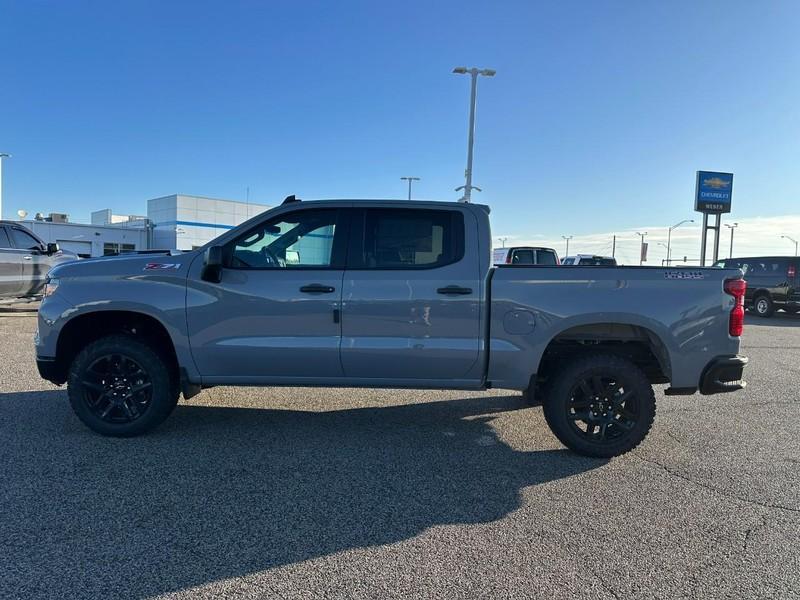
{"x": 525, "y": 255}
{"x": 589, "y": 260}
{"x": 772, "y": 282}
{"x": 25, "y": 260}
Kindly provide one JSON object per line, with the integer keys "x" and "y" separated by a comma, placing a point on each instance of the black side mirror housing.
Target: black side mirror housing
{"x": 52, "y": 248}
{"x": 212, "y": 265}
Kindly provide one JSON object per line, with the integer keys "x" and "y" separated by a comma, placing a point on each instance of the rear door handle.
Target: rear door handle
{"x": 454, "y": 290}
{"x": 27, "y": 257}
{"x": 316, "y": 288}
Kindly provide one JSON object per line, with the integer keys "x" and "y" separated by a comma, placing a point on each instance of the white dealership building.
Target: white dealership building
{"x": 176, "y": 221}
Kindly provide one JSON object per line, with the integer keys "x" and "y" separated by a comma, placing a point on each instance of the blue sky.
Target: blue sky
{"x": 596, "y": 121}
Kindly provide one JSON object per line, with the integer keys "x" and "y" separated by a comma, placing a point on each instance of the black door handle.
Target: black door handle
{"x": 454, "y": 290}
{"x": 316, "y": 288}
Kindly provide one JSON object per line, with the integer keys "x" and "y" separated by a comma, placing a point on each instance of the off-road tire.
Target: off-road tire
{"x": 564, "y": 394}
{"x": 82, "y": 385}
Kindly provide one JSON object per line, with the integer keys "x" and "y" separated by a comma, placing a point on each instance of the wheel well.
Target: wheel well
{"x": 85, "y": 329}
{"x": 637, "y": 344}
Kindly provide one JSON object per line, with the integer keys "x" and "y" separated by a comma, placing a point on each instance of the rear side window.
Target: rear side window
{"x": 546, "y": 257}
{"x": 24, "y": 240}
{"x": 523, "y": 257}
{"x": 410, "y": 239}
{"x": 4, "y": 241}
{"x": 568, "y": 261}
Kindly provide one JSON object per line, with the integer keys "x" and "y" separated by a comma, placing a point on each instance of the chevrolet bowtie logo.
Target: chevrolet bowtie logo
{"x": 716, "y": 183}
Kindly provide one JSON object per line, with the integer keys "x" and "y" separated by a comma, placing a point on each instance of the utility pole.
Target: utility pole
{"x": 474, "y": 72}
{"x": 567, "y": 238}
{"x": 731, "y": 227}
{"x": 641, "y": 247}
{"x": 409, "y": 179}
{"x": 614, "y": 247}
{"x": 791, "y": 240}
{"x": 2, "y": 156}
{"x": 503, "y": 241}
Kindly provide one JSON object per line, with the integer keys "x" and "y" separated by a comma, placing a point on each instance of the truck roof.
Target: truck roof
{"x": 410, "y": 203}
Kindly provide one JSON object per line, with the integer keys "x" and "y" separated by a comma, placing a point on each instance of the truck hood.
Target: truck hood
{"x": 166, "y": 262}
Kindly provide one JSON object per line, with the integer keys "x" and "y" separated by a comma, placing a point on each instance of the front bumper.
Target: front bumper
{"x": 723, "y": 374}
{"x": 49, "y": 370}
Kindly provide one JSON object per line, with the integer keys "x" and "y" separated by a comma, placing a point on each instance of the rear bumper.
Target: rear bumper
{"x": 723, "y": 374}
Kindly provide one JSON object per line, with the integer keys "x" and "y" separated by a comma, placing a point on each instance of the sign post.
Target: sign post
{"x": 712, "y": 196}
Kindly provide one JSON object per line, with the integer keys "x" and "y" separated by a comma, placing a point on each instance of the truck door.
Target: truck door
{"x": 275, "y": 312}
{"x": 35, "y": 263}
{"x": 10, "y": 266}
{"x": 411, "y": 299}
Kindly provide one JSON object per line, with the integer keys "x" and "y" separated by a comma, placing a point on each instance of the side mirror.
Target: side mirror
{"x": 52, "y": 248}
{"x": 212, "y": 265}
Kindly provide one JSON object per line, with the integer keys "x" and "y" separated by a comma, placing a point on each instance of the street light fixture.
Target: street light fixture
{"x": 731, "y": 227}
{"x": 409, "y": 179}
{"x": 791, "y": 240}
{"x": 669, "y": 238}
{"x": 567, "y": 238}
{"x": 503, "y": 241}
{"x": 473, "y": 72}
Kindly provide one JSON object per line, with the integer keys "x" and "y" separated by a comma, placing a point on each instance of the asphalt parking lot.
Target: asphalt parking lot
{"x": 304, "y": 493}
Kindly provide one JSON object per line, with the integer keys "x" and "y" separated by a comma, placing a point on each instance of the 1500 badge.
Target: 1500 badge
{"x": 161, "y": 266}
{"x": 684, "y": 275}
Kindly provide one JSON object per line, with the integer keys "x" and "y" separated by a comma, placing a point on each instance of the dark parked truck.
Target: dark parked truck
{"x": 393, "y": 295}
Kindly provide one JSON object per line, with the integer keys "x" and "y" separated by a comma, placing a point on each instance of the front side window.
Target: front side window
{"x": 408, "y": 239}
{"x": 24, "y": 240}
{"x": 299, "y": 239}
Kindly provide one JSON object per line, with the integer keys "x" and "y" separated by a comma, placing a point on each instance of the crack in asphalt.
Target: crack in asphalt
{"x": 711, "y": 488}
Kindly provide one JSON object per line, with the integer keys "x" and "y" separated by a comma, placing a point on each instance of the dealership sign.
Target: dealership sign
{"x": 713, "y": 192}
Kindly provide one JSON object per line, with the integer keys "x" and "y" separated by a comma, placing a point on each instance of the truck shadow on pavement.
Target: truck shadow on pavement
{"x": 218, "y": 493}
{"x": 779, "y": 319}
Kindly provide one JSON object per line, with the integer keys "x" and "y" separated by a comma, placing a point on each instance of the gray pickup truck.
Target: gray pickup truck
{"x": 386, "y": 294}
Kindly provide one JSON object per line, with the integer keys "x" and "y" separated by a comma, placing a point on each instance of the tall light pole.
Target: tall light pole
{"x": 567, "y": 238}
{"x": 2, "y": 156}
{"x": 641, "y": 247}
{"x": 662, "y": 244}
{"x": 503, "y": 241}
{"x": 474, "y": 72}
{"x": 791, "y": 240}
{"x": 669, "y": 237}
{"x": 409, "y": 179}
{"x": 731, "y": 227}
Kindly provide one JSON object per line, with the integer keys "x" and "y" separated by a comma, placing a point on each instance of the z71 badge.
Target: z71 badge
{"x": 684, "y": 275}
{"x": 162, "y": 266}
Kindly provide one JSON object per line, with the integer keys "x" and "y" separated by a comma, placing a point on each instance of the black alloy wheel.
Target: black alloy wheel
{"x": 116, "y": 388}
{"x": 601, "y": 408}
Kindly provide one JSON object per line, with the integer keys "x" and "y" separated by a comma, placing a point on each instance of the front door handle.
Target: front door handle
{"x": 27, "y": 257}
{"x": 454, "y": 290}
{"x": 316, "y": 288}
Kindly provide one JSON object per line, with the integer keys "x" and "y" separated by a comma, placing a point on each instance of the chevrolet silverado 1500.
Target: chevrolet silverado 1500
{"x": 386, "y": 294}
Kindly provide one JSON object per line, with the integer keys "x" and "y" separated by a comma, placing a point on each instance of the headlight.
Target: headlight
{"x": 50, "y": 287}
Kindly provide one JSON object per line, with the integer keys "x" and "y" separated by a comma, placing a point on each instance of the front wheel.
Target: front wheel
{"x": 600, "y": 405}
{"x": 121, "y": 387}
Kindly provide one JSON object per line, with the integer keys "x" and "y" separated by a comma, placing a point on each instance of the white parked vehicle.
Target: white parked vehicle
{"x": 589, "y": 260}
{"x": 525, "y": 255}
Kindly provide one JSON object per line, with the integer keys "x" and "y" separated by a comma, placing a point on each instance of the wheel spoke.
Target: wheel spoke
{"x": 140, "y": 388}
{"x": 597, "y": 385}
{"x": 107, "y": 410}
{"x": 129, "y": 406}
{"x": 580, "y": 416}
{"x": 603, "y": 429}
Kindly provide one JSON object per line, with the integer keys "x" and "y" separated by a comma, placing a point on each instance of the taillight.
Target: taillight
{"x": 736, "y": 288}
{"x": 508, "y": 258}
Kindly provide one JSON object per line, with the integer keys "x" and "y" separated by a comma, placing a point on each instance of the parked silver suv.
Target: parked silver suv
{"x": 25, "y": 260}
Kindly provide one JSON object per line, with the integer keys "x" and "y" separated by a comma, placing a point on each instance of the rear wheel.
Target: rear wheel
{"x": 600, "y": 405}
{"x": 121, "y": 387}
{"x": 763, "y": 306}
